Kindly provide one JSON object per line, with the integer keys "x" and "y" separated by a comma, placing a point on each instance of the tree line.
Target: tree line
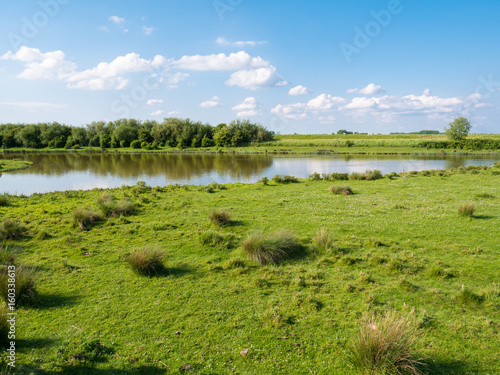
{"x": 172, "y": 132}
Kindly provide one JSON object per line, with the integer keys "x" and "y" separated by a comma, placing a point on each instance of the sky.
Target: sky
{"x": 293, "y": 66}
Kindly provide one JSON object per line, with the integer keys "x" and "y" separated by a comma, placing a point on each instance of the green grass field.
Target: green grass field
{"x": 394, "y": 244}
{"x": 13, "y": 165}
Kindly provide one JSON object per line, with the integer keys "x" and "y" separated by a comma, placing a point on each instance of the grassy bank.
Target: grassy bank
{"x": 396, "y": 243}
{"x": 13, "y": 165}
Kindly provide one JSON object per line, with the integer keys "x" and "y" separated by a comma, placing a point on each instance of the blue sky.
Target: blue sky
{"x": 293, "y": 66}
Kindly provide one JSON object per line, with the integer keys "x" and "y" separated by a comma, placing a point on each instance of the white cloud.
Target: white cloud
{"x": 251, "y": 43}
{"x": 54, "y": 66}
{"x": 221, "y": 61}
{"x": 154, "y": 101}
{"x": 427, "y": 92}
{"x": 117, "y": 20}
{"x": 299, "y": 90}
{"x": 147, "y": 30}
{"x": 173, "y": 113}
{"x": 34, "y": 106}
{"x": 249, "y": 107}
{"x": 371, "y": 89}
{"x": 172, "y": 80}
{"x": 253, "y": 79}
{"x": 157, "y": 113}
{"x": 295, "y": 111}
{"x": 214, "y": 102}
{"x": 325, "y": 102}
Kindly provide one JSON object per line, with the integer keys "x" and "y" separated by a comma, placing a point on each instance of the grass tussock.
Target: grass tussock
{"x": 4, "y": 325}
{"x": 322, "y": 240}
{"x": 11, "y": 229}
{"x": 368, "y": 175}
{"x": 146, "y": 261}
{"x": 84, "y": 218}
{"x": 26, "y": 293}
{"x": 220, "y": 218}
{"x": 270, "y": 248}
{"x": 466, "y": 297}
{"x": 467, "y": 210}
{"x": 345, "y": 190}
{"x": 215, "y": 239}
{"x": 4, "y": 200}
{"x": 386, "y": 345}
{"x": 111, "y": 207}
{"x": 7, "y": 255}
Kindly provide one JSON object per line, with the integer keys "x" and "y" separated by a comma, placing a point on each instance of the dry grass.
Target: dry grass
{"x": 146, "y": 261}
{"x": 467, "y": 209}
{"x": 220, "y": 217}
{"x": 345, "y": 190}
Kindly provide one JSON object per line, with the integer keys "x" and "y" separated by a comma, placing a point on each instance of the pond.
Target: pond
{"x": 77, "y": 171}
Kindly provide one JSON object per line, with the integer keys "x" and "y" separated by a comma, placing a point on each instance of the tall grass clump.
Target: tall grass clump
{"x": 322, "y": 240}
{"x": 270, "y": 248}
{"x": 26, "y": 293}
{"x": 4, "y": 325}
{"x": 84, "y": 218}
{"x": 221, "y": 218}
{"x": 467, "y": 209}
{"x": 368, "y": 175}
{"x": 11, "y": 229}
{"x": 146, "y": 261}
{"x": 345, "y": 190}
{"x": 7, "y": 256}
{"x": 110, "y": 207}
{"x": 4, "y": 200}
{"x": 386, "y": 345}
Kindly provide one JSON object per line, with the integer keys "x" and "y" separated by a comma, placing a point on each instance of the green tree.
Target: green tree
{"x": 458, "y": 129}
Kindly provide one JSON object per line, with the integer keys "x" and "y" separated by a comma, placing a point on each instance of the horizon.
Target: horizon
{"x": 374, "y": 67}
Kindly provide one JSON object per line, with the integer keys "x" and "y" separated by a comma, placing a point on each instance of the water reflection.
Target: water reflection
{"x": 74, "y": 171}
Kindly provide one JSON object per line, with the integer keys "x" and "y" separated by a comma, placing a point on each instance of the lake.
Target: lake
{"x": 77, "y": 171}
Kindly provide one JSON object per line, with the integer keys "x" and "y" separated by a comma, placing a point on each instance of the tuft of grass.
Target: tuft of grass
{"x": 345, "y": 190}
{"x": 146, "y": 261}
{"x": 235, "y": 263}
{"x": 215, "y": 239}
{"x": 467, "y": 209}
{"x": 84, "y": 218}
{"x": 467, "y": 297}
{"x": 4, "y": 200}
{"x": 25, "y": 286}
{"x": 322, "y": 240}
{"x": 4, "y": 325}
{"x": 368, "y": 175}
{"x": 270, "y": 248}
{"x": 485, "y": 195}
{"x": 111, "y": 208}
{"x": 11, "y": 229}
{"x": 386, "y": 345}
{"x": 7, "y": 256}
{"x": 221, "y": 218}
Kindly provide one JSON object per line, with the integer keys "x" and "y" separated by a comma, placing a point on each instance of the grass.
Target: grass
{"x": 11, "y": 229}
{"x": 84, "y": 218}
{"x": 220, "y": 218}
{"x": 111, "y": 207}
{"x": 386, "y": 345}
{"x": 146, "y": 261}
{"x": 296, "y": 317}
{"x": 7, "y": 165}
{"x": 4, "y": 326}
{"x": 4, "y": 200}
{"x": 467, "y": 209}
{"x": 270, "y": 248}
{"x": 345, "y": 190}
{"x": 26, "y": 293}
{"x": 323, "y": 240}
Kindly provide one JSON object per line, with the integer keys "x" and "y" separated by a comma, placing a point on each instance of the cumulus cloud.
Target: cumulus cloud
{"x": 371, "y": 89}
{"x": 54, "y": 66}
{"x": 173, "y": 113}
{"x": 253, "y": 79}
{"x": 214, "y": 102}
{"x": 154, "y": 101}
{"x": 299, "y": 90}
{"x": 251, "y": 43}
{"x": 325, "y": 102}
{"x": 117, "y": 20}
{"x": 295, "y": 111}
{"x": 157, "y": 113}
{"x": 219, "y": 62}
{"x": 172, "y": 80}
{"x": 249, "y": 107}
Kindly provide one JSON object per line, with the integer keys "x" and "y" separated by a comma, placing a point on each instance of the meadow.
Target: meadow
{"x": 423, "y": 245}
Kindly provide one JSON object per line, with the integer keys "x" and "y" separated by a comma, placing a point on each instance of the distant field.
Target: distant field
{"x": 397, "y": 243}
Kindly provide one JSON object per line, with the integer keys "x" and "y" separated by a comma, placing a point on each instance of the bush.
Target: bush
{"x": 264, "y": 180}
{"x": 346, "y": 190}
{"x": 4, "y": 200}
{"x": 220, "y": 217}
{"x": 146, "y": 261}
{"x": 11, "y": 229}
{"x": 270, "y": 248}
{"x": 467, "y": 209}
{"x": 26, "y": 293}
{"x": 135, "y": 144}
{"x": 84, "y": 218}
{"x": 385, "y": 345}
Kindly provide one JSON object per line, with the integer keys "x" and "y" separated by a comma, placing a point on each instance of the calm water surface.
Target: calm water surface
{"x": 72, "y": 171}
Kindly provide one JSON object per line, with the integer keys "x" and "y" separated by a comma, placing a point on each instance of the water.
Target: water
{"x": 76, "y": 171}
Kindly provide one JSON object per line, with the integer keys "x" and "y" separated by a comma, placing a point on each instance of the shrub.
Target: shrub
{"x": 270, "y": 248}
{"x": 322, "y": 240}
{"x": 4, "y": 326}
{"x": 4, "y": 199}
{"x": 467, "y": 209}
{"x": 264, "y": 180}
{"x": 26, "y": 293}
{"x": 220, "y": 217}
{"x": 11, "y": 229}
{"x": 84, "y": 218}
{"x": 315, "y": 176}
{"x": 346, "y": 190}
{"x": 135, "y": 144}
{"x": 146, "y": 261}
{"x": 385, "y": 345}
